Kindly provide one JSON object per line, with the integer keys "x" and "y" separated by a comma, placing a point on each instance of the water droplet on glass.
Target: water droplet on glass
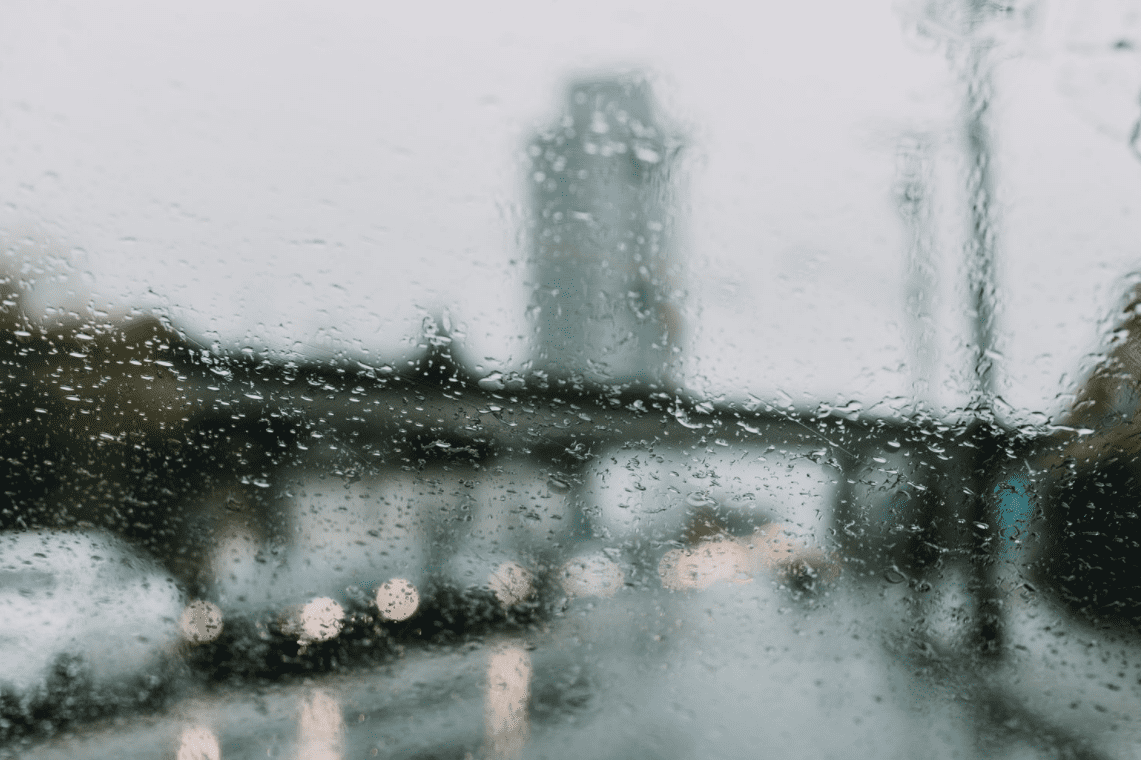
{"x": 647, "y": 155}
{"x": 700, "y": 499}
{"x": 493, "y": 382}
{"x": 683, "y": 418}
{"x": 893, "y": 575}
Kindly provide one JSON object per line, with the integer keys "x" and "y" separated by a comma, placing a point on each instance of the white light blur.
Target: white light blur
{"x": 201, "y": 622}
{"x": 397, "y": 599}
{"x": 321, "y": 620}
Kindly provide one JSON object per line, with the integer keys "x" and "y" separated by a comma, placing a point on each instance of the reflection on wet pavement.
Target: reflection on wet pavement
{"x": 198, "y": 743}
{"x": 723, "y": 672}
{"x": 320, "y": 728}
{"x": 506, "y": 723}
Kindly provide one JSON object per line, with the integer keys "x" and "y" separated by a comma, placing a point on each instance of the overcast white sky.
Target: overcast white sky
{"x": 316, "y": 179}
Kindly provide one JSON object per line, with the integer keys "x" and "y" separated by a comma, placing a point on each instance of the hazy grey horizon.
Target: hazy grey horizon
{"x": 318, "y": 182}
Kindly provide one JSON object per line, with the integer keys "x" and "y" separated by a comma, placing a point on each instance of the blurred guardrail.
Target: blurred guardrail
{"x": 126, "y": 428}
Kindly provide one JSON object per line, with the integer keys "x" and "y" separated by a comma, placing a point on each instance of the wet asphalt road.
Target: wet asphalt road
{"x": 734, "y": 671}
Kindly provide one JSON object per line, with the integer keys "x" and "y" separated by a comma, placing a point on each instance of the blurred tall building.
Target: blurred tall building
{"x": 606, "y": 276}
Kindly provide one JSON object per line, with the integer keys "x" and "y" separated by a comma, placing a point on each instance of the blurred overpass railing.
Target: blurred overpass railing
{"x": 463, "y": 509}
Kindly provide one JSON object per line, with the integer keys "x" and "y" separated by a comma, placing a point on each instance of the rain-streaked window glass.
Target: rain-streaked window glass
{"x": 606, "y": 381}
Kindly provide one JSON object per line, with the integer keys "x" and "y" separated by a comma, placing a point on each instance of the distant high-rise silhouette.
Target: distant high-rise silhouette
{"x": 606, "y": 277}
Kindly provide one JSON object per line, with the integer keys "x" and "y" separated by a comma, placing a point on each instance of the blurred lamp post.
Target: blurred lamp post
{"x": 975, "y": 33}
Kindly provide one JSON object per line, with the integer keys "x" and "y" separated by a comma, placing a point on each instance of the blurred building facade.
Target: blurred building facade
{"x": 606, "y": 274}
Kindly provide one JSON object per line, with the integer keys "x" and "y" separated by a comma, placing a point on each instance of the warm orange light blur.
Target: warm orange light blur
{"x": 774, "y": 548}
{"x": 774, "y": 545}
{"x": 506, "y": 723}
{"x": 198, "y": 743}
{"x": 778, "y": 547}
{"x": 397, "y": 599}
{"x": 512, "y": 583}
{"x": 591, "y": 575}
{"x": 201, "y": 622}
{"x": 320, "y": 728}
{"x": 722, "y": 559}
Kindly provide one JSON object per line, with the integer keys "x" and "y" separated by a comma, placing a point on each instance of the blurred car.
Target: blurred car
{"x": 84, "y": 620}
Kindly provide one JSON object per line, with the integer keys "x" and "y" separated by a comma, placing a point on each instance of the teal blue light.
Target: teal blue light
{"x": 1012, "y": 506}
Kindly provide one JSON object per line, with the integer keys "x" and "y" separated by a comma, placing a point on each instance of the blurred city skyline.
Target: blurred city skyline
{"x": 608, "y": 290}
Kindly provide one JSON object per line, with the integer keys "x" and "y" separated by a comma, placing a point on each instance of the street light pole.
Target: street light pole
{"x": 980, "y": 189}
{"x": 980, "y": 254}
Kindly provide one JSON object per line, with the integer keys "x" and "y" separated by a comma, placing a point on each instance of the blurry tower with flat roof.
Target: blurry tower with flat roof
{"x": 606, "y": 280}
